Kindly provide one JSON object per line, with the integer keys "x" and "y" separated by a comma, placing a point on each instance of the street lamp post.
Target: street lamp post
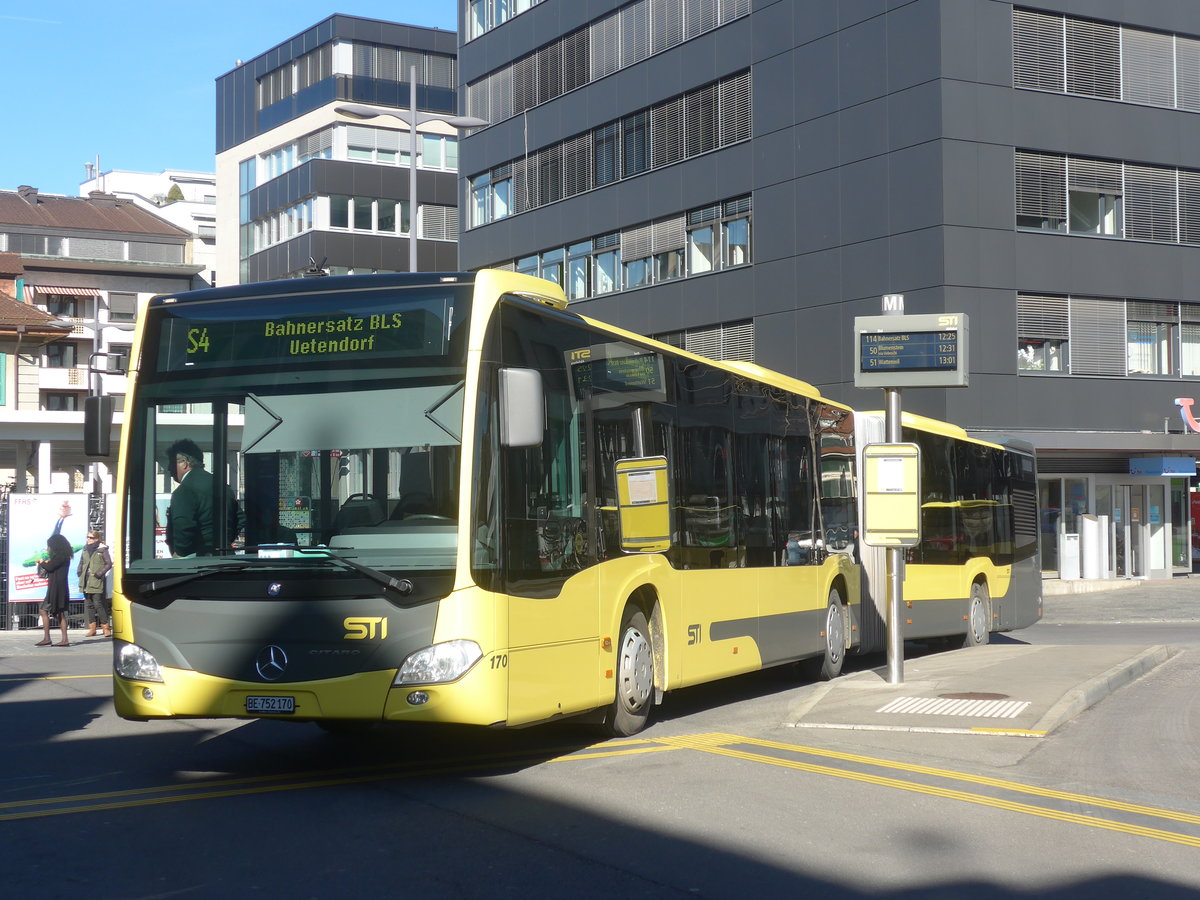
{"x": 412, "y": 118}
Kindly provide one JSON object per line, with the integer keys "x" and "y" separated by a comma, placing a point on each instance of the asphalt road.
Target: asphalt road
{"x": 718, "y": 798}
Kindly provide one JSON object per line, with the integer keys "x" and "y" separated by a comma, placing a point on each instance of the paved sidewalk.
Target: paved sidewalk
{"x": 1174, "y": 600}
{"x": 1010, "y": 689}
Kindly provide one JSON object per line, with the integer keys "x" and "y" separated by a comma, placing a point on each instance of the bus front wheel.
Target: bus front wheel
{"x": 635, "y": 677}
{"x": 979, "y": 616}
{"x": 829, "y": 665}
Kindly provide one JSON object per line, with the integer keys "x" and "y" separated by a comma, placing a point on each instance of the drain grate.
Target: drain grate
{"x": 958, "y": 705}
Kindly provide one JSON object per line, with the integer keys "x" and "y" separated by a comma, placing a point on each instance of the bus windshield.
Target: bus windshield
{"x": 298, "y": 426}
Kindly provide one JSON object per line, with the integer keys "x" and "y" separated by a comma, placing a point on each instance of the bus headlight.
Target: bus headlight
{"x": 439, "y": 663}
{"x": 134, "y": 663}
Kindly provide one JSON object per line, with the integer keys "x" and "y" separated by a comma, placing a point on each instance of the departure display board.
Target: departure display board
{"x": 909, "y": 351}
{"x": 197, "y": 338}
{"x": 900, "y": 351}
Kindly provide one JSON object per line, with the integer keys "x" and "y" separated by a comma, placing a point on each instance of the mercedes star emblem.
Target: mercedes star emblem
{"x": 271, "y": 662}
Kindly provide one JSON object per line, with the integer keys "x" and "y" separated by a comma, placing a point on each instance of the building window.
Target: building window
{"x": 579, "y": 271}
{"x": 480, "y": 194}
{"x": 122, "y": 307}
{"x": 1107, "y": 197}
{"x": 680, "y": 246}
{"x": 736, "y": 234}
{"x": 1095, "y": 196}
{"x": 650, "y": 138}
{"x": 1151, "y": 329}
{"x": 606, "y": 265}
{"x": 1041, "y": 180}
{"x": 552, "y": 266}
{"x": 1189, "y": 340}
{"x": 701, "y": 250}
{"x": 439, "y": 152}
{"x": 635, "y": 141}
{"x": 62, "y": 355}
{"x": 1041, "y": 355}
{"x": 637, "y": 272}
{"x": 732, "y": 341}
{"x": 57, "y": 401}
{"x": 1097, "y": 59}
{"x": 1043, "y": 324}
{"x": 63, "y": 307}
{"x": 616, "y": 40}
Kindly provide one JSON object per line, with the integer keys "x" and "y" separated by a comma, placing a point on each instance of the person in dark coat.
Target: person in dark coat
{"x": 190, "y": 530}
{"x": 56, "y": 569}
{"x": 190, "y": 514}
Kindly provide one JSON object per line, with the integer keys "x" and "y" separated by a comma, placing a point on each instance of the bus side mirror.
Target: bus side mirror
{"x": 522, "y": 408}
{"x": 97, "y": 426}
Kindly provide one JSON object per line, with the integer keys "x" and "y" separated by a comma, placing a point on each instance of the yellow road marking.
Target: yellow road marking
{"x": 1014, "y": 786}
{"x": 714, "y": 744}
{"x": 262, "y": 784}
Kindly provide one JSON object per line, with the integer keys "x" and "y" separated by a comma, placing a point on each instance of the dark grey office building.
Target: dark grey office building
{"x": 745, "y": 178}
{"x": 314, "y": 148}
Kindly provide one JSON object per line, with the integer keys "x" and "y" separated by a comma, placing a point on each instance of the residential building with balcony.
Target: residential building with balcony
{"x": 314, "y": 149}
{"x": 88, "y": 264}
{"x": 744, "y": 179}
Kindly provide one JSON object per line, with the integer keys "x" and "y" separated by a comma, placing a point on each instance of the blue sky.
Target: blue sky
{"x": 134, "y": 82}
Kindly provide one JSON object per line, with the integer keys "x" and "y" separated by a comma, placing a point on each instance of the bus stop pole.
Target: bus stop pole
{"x": 895, "y": 562}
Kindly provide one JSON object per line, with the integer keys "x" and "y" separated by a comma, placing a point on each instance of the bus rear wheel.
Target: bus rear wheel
{"x": 630, "y": 709}
{"x": 829, "y": 665}
{"x": 979, "y": 616}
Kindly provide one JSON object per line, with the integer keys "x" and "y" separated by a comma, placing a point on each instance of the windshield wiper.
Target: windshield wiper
{"x": 157, "y": 587}
{"x": 401, "y": 586}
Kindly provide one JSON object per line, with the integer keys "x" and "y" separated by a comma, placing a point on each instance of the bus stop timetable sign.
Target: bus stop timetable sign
{"x": 891, "y": 495}
{"x": 911, "y": 351}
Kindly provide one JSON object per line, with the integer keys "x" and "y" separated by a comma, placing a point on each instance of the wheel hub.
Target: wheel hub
{"x": 636, "y": 671}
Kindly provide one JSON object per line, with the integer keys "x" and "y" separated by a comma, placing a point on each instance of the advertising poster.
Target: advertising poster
{"x": 32, "y": 518}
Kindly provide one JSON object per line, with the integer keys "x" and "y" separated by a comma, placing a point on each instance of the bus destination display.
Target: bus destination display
{"x": 921, "y": 351}
{"x": 196, "y": 341}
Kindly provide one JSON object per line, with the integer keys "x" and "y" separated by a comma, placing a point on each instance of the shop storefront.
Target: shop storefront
{"x": 1116, "y": 504}
{"x": 1136, "y": 525}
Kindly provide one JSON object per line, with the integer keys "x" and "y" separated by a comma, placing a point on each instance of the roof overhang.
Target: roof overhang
{"x": 34, "y": 263}
{"x": 22, "y": 338}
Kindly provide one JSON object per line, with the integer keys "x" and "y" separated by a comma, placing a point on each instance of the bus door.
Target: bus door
{"x": 551, "y": 582}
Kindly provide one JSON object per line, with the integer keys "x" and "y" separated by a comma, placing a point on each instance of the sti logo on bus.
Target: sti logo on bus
{"x": 576, "y": 355}
{"x": 361, "y": 628}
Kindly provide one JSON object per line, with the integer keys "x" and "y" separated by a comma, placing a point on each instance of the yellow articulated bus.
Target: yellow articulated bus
{"x": 976, "y": 569}
{"x": 448, "y": 498}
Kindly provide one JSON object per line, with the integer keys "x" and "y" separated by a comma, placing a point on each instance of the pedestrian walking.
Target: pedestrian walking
{"x": 94, "y": 564}
{"x": 55, "y": 570}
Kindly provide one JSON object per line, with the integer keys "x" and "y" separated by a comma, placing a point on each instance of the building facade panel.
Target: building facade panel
{"x": 914, "y": 147}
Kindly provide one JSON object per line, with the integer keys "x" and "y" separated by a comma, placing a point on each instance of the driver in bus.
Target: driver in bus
{"x": 190, "y": 514}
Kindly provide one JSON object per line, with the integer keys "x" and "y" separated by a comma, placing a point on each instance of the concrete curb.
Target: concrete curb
{"x": 1096, "y": 689}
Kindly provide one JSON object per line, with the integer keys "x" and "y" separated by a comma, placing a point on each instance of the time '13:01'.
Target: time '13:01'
{"x": 197, "y": 340}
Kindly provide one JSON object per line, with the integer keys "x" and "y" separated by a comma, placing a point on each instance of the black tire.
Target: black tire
{"x": 829, "y": 665}
{"x": 634, "y": 671}
{"x": 979, "y": 616}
